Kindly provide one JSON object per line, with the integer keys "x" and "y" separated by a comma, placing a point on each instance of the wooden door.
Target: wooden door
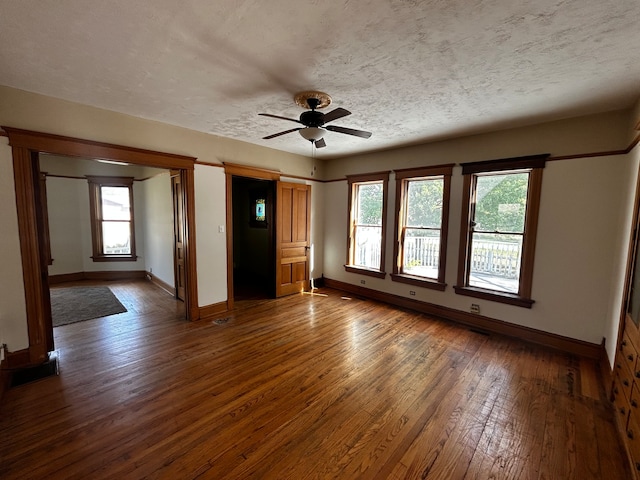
{"x": 293, "y": 225}
{"x": 178, "y": 229}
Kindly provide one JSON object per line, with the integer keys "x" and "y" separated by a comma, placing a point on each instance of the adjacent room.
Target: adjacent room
{"x": 332, "y": 239}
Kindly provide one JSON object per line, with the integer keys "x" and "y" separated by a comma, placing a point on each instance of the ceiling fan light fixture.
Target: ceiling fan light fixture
{"x": 312, "y": 133}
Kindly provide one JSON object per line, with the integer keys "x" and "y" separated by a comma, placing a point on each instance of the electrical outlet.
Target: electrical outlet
{"x": 150, "y": 270}
{"x": 411, "y": 292}
{"x": 475, "y": 308}
{"x": 363, "y": 282}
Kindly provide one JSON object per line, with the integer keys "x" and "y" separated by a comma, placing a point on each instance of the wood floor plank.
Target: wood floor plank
{"x": 303, "y": 387}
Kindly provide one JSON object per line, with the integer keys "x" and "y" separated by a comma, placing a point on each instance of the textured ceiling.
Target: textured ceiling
{"x": 410, "y": 71}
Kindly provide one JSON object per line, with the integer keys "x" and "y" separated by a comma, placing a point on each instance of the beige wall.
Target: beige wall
{"x": 13, "y": 317}
{"x": 620, "y": 251}
{"x": 157, "y": 224}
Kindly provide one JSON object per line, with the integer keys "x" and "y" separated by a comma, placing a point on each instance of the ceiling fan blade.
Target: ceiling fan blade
{"x": 278, "y": 116}
{"x": 320, "y": 143}
{"x": 335, "y": 114}
{"x": 281, "y": 133}
{"x": 348, "y": 131}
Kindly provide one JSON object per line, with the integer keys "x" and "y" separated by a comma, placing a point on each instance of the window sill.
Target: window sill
{"x": 365, "y": 271}
{"x": 418, "y": 281}
{"x": 115, "y": 258}
{"x": 501, "y": 297}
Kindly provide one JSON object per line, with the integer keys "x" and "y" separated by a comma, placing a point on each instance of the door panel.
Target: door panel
{"x": 293, "y": 225}
{"x": 178, "y": 228}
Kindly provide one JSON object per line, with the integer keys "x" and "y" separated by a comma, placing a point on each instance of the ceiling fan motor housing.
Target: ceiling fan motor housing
{"x": 312, "y": 118}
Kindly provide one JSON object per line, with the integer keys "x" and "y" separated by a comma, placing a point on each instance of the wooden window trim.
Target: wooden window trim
{"x": 534, "y": 164}
{"x": 402, "y": 177}
{"x": 351, "y": 181}
{"x": 95, "y": 184}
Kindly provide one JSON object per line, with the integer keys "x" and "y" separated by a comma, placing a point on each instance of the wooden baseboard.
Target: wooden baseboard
{"x": 318, "y": 282}
{"x": 163, "y": 285}
{"x": 66, "y": 277}
{"x": 213, "y": 311}
{"x": 78, "y": 276}
{"x": 558, "y": 342}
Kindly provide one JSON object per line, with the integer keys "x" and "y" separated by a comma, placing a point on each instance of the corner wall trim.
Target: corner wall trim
{"x": 531, "y": 335}
{"x": 209, "y": 312}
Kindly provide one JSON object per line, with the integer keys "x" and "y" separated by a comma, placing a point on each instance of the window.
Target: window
{"x": 367, "y": 213}
{"x": 422, "y": 216}
{"x": 498, "y": 232}
{"x": 112, "y": 229}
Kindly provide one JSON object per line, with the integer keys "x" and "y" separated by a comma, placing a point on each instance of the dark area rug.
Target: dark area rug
{"x": 76, "y": 304}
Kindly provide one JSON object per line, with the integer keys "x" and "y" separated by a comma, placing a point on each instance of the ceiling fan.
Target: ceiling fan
{"x": 314, "y": 123}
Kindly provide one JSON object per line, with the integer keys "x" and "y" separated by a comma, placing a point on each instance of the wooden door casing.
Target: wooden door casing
{"x": 293, "y": 228}
{"x": 178, "y": 229}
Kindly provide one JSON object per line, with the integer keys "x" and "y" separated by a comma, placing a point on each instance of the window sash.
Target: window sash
{"x": 495, "y": 263}
{"x": 367, "y": 246}
{"x": 366, "y": 241}
{"x": 421, "y": 262}
{"x": 110, "y": 242}
{"x": 419, "y": 257}
{"x": 491, "y": 264}
{"x": 533, "y": 165}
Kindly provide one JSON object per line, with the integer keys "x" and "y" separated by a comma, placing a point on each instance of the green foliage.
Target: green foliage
{"x": 369, "y": 198}
{"x": 501, "y": 202}
{"x": 424, "y": 203}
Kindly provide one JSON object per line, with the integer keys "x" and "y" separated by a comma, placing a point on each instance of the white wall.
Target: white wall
{"x": 577, "y": 236}
{"x": 212, "y": 243}
{"x": 622, "y": 237}
{"x": 157, "y": 224}
{"x": 66, "y": 197}
{"x": 13, "y": 317}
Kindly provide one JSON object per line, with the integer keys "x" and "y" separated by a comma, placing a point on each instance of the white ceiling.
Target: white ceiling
{"x": 410, "y": 71}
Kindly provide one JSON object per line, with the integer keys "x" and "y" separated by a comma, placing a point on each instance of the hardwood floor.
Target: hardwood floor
{"x": 306, "y": 386}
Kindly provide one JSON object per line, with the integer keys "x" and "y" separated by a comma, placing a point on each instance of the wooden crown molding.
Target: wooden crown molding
{"x": 69, "y": 146}
{"x": 251, "y": 172}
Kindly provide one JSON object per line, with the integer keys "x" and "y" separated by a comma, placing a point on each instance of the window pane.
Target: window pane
{"x": 495, "y": 262}
{"x": 501, "y": 202}
{"x": 115, "y": 203}
{"x": 369, "y": 204}
{"x": 116, "y": 238}
{"x": 368, "y": 241}
{"x": 424, "y": 203}
{"x": 421, "y": 252}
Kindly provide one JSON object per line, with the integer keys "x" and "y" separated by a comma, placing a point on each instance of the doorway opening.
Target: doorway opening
{"x": 26, "y": 147}
{"x": 253, "y": 238}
